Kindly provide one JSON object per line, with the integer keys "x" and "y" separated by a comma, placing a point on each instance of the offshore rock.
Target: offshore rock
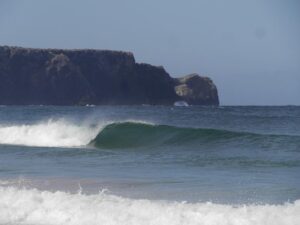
{"x": 79, "y": 77}
{"x": 197, "y": 90}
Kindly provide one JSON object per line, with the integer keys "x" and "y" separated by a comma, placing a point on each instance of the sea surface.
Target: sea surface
{"x": 149, "y": 165}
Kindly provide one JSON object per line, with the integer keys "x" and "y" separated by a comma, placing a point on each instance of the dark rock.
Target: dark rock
{"x": 79, "y": 77}
{"x": 196, "y": 90}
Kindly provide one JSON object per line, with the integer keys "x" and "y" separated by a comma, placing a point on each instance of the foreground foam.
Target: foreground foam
{"x": 31, "y": 206}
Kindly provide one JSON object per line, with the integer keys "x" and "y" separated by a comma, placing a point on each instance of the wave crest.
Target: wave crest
{"x": 129, "y": 134}
{"x": 53, "y": 133}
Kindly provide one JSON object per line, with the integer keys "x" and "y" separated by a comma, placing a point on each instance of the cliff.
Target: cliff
{"x": 79, "y": 77}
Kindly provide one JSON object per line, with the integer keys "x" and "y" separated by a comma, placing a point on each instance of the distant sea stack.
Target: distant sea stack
{"x": 100, "y": 77}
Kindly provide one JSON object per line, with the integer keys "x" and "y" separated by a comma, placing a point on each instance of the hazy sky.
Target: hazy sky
{"x": 251, "y": 49}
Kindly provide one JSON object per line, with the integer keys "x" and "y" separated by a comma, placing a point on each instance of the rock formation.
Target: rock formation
{"x": 197, "y": 90}
{"x": 78, "y": 77}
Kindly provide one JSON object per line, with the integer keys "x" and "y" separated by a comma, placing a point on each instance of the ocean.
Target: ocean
{"x": 134, "y": 165}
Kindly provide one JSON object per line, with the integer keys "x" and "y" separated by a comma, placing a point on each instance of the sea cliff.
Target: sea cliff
{"x": 79, "y": 77}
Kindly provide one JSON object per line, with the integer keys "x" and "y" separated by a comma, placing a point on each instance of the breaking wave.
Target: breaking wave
{"x": 128, "y": 134}
{"x": 32, "y": 206}
{"x": 132, "y": 134}
{"x": 53, "y": 133}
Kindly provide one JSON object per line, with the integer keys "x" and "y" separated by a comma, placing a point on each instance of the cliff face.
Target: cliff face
{"x": 79, "y": 77}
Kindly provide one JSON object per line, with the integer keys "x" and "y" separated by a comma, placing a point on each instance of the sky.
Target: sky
{"x": 251, "y": 49}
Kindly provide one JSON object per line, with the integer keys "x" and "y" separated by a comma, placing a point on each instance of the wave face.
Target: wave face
{"x": 129, "y": 134}
{"x": 32, "y": 206}
{"x": 132, "y": 134}
{"x": 52, "y": 133}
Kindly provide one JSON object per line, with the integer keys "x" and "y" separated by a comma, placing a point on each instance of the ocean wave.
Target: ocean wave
{"x": 133, "y": 134}
{"x": 54, "y": 133}
{"x": 128, "y": 134}
{"x": 32, "y": 206}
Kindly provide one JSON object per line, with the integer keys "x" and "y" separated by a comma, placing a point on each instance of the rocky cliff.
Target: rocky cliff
{"x": 79, "y": 77}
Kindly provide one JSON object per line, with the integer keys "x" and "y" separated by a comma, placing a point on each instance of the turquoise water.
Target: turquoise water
{"x": 229, "y": 156}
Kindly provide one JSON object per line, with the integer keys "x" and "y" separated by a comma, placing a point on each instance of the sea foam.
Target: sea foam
{"x": 51, "y": 133}
{"x": 32, "y": 206}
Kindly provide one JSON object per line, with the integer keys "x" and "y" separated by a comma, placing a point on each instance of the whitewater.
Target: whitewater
{"x": 149, "y": 165}
{"x": 22, "y": 206}
{"x": 51, "y": 133}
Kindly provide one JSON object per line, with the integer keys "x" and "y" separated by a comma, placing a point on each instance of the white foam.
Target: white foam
{"x": 52, "y": 133}
{"x": 31, "y": 206}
